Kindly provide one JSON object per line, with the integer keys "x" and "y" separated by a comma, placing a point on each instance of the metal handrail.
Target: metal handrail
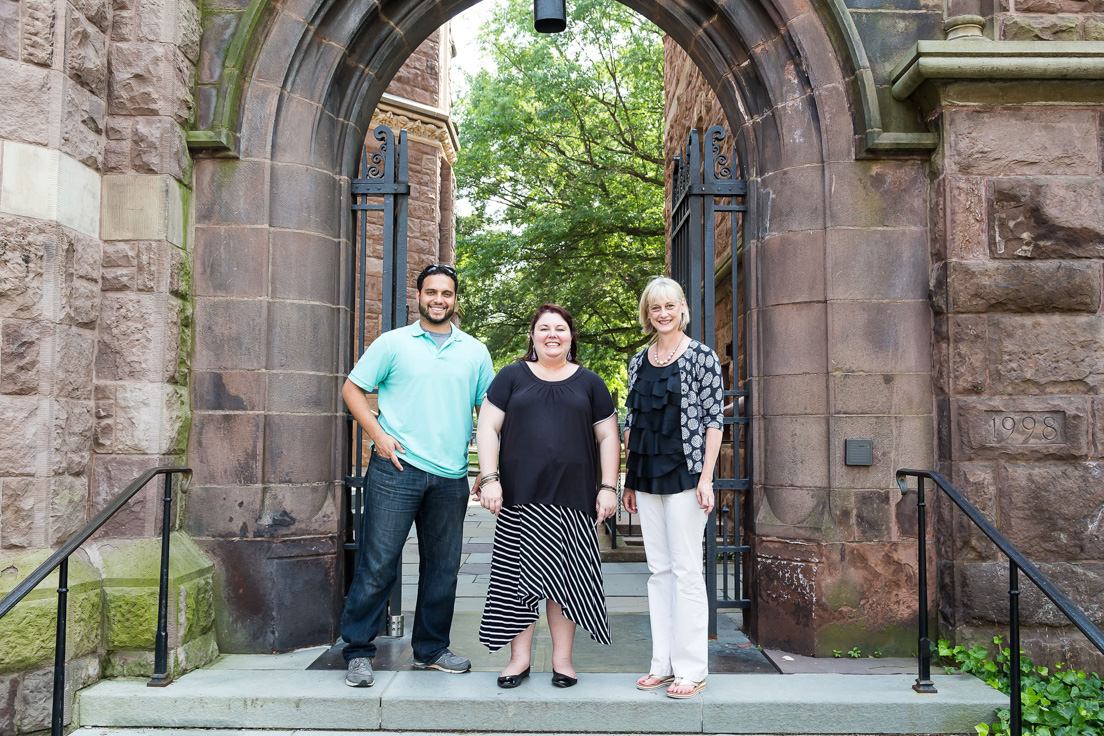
{"x": 60, "y": 560}
{"x": 1016, "y": 562}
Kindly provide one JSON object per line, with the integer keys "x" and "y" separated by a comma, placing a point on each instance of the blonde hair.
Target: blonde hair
{"x": 659, "y": 290}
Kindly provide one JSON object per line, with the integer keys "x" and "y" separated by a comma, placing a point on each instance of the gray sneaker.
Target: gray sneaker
{"x": 360, "y": 673}
{"x": 446, "y": 662}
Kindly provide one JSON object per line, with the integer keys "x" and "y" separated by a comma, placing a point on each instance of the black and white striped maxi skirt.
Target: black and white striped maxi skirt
{"x": 543, "y": 552}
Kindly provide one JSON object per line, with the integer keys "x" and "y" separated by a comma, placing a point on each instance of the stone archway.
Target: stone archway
{"x": 840, "y": 342}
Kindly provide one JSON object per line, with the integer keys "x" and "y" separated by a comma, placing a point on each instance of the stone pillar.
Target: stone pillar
{"x": 1020, "y": 335}
{"x": 839, "y": 347}
{"x": 265, "y": 502}
{"x": 94, "y": 310}
{"x": 689, "y": 101}
{"x": 50, "y": 160}
{"x": 51, "y": 120}
{"x": 273, "y": 237}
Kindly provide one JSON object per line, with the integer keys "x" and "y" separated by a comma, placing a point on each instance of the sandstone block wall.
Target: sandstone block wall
{"x": 1016, "y": 288}
{"x": 95, "y": 309}
{"x": 1047, "y": 20}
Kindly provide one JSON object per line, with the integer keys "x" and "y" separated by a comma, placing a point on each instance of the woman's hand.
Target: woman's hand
{"x": 628, "y": 500}
{"x": 490, "y": 496}
{"x": 606, "y": 505}
{"x": 477, "y": 486}
{"x": 488, "y": 493}
{"x": 705, "y": 493}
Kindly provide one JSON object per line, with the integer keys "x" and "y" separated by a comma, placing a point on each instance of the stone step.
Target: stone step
{"x": 601, "y": 703}
{"x": 89, "y": 731}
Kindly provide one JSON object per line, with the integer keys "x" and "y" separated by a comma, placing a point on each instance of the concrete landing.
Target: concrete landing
{"x": 601, "y": 702}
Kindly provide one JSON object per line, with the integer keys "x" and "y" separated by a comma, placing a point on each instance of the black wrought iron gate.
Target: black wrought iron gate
{"x": 705, "y": 191}
{"x": 707, "y": 196}
{"x": 382, "y": 186}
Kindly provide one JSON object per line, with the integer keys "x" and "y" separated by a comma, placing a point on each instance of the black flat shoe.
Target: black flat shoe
{"x": 510, "y": 681}
{"x": 563, "y": 680}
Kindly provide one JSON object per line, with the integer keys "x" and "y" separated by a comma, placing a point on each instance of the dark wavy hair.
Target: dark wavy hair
{"x": 572, "y": 350}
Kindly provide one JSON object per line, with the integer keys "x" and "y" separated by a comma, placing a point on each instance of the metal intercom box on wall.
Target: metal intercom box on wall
{"x": 858, "y": 452}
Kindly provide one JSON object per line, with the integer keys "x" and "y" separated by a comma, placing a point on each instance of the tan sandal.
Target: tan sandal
{"x": 661, "y": 681}
{"x": 697, "y": 688}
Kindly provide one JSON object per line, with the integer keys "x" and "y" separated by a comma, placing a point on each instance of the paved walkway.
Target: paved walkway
{"x": 626, "y": 601}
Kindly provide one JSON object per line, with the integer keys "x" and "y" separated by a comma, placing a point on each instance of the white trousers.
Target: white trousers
{"x": 673, "y": 527}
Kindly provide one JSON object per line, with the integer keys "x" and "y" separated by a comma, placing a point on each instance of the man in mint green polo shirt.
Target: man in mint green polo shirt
{"x": 430, "y": 376}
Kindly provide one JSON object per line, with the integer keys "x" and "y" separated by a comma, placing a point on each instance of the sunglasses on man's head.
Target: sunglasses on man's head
{"x": 440, "y": 268}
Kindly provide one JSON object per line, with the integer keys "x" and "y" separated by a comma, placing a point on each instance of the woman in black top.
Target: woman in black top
{"x": 536, "y": 439}
{"x": 673, "y": 435}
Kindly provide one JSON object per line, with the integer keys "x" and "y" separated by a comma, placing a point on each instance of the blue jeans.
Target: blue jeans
{"x": 394, "y": 500}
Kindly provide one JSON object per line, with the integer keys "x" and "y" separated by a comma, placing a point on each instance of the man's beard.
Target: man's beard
{"x": 424, "y": 311}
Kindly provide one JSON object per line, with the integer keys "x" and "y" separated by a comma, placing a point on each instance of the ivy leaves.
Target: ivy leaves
{"x": 1053, "y": 702}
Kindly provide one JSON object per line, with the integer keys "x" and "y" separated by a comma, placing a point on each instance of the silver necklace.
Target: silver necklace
{"x": 665, "y": 361}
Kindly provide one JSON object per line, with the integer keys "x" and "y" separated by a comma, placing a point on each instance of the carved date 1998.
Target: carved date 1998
{"x": 1025, "y": 428}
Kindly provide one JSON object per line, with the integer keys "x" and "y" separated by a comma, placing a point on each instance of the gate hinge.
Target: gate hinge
{"x": 360, "y": 186}
{"x": 721, "y": 188}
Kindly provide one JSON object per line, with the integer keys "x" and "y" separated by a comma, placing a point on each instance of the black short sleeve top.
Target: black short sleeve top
{"x": 547, "y": 451}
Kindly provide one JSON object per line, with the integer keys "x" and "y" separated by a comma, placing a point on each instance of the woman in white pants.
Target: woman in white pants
{"x": 673, "y": 435}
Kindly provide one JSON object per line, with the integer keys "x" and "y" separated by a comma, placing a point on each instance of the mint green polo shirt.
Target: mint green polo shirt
{"x": 426, "y": 394}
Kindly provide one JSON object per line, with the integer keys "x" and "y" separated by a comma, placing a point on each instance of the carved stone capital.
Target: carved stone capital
{"x": 422, "y": 123}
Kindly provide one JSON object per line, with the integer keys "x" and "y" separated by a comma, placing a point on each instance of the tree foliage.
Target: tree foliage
{"x": 561, "y": 161}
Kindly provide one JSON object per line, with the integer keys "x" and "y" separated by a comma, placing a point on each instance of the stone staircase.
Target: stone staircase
{"x": 304, "y": 691}
{"x": 410, "y": 701}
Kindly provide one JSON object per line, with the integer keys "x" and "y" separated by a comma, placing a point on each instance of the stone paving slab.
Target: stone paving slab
{"x": 600, "y": 702}
{"x": 835, "y": 703}
{"x": 300, "y": 659}
{"x": 604, "y": 703}
{"x": 232, "y": 698}
{"x": 625, "y": 585}
{"x": 307, "y": 732}
{"x": 796, "y": 664}
{"x": 626, "y": 605}
{"x": 625, "y": 568}
{"x": 731, "y": 652}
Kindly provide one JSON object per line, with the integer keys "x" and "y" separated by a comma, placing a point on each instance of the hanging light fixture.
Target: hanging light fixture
{"x": 550, "y": 16}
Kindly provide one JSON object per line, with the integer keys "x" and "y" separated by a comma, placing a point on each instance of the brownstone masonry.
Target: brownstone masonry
{"x": 923, "y": 259}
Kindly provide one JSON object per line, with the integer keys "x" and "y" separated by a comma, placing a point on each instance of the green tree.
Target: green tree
{"x": 562, "y": 163}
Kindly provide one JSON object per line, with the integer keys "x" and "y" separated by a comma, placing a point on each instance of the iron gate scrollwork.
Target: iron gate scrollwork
{"x": 382, "y": 186}
{"x": 705, "y": 191}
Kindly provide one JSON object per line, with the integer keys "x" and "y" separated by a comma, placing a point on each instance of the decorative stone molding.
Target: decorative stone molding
{"x": 1008, "y": 60}
{"x": 868, "y": 106}
{"x": 964, "y": 27}
{"x": 421, "y": 122}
